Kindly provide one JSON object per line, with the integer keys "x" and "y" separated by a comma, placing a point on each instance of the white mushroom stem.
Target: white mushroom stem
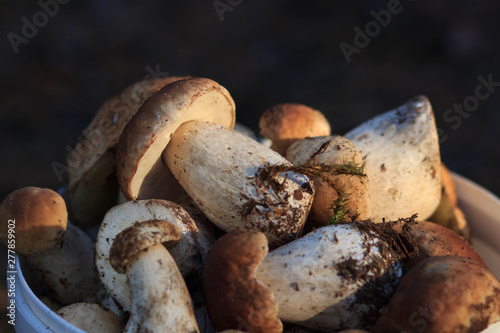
{"x": 336, "y": 277}
{"x": 224, "y": 172}
{"x": 67, "y": 270}
{"x": 160, "y": 299}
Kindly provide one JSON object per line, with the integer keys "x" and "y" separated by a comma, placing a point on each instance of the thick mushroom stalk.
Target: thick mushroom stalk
{"x": 91, "y": 318}
{"x": 402, "y": 160}
{"x": 231, "y": 177}
{"x": 160, "y": 299}
{"x": 341, "y": 182}
{"x": 336, "y": 277}
{"x": 60, "y": 254}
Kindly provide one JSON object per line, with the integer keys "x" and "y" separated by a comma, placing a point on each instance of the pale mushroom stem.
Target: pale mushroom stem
{"x": 160, "y": 299}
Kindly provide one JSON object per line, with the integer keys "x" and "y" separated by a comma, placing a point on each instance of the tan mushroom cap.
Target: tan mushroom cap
{"x": 235, "y": 298}
{"x": 91, "y": 164}
{"x": 286, "y": 123}
{"x": 140, "y": 237}
{"x": 433, "y": 240}
{"x": 442, "y": 294}
{"x": 40, "y": 216}
{"x": 141, "y": 172}
{"x": 91, "y": 318}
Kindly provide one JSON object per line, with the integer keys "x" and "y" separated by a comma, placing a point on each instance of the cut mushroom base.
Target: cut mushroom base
{"x": 336, "y": 277}
{"x": 403, "y": 161}
{"x": 189, "y": 252}
{"x": 224, "y": 172}
{"x": 160, "y": 299}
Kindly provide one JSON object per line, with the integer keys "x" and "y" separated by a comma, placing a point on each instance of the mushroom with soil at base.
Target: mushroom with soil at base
{"x": 336, "y": 277}
{"x": 60, "y": 254}
{"x": 401, "y": 150}
{"x": 159, "y": 140}
{"x": 160, "y": 298}
{"x": 92, "y": 184}
{"x": 340, "y": 180}
{"x": 286, "y": 123}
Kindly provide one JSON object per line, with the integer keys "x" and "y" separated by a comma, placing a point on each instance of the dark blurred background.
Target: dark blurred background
{"x": 264, "y": 52}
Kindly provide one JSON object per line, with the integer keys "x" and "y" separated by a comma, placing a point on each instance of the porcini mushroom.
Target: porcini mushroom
{"x": 448, "y": 214}
{"x": 60, "y": 254}
{"x": 92, "y": 180}
{"x": 141, "y": 172}
{"x": 433, "y": 240}
{"x": 286, "y": 123}
{"x": 237, "y": 182}
{"x": 443, "y": 294}
{"x": 188, "y": 253}
{"x": 336, "y": 277}
{"x": 341, "y": 182}
{"x": 91, "y": 318}
{"x": 160, "y": 299}
{"x": 403, "y": 161}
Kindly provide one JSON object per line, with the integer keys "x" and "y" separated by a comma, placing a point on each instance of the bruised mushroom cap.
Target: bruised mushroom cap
{"x": 235, "y": 298}
{"x": 286, "y": 123}
{"x": 40, "y": 216}
{"x": 443, "y": 294}
{"x": 140, "y": 237}
{"x": 433, "y": 240}
{"x": 91, "y": 318}
{"x": 141, "y": 172}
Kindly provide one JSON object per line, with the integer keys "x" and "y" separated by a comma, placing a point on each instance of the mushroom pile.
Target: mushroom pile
{"x": 202, "y": 227}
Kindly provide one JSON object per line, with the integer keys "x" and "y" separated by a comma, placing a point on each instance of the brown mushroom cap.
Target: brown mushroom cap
{"x": 235, "y": 298}
{"x": 40, "y": 216}
{"x": 140, "y": 170}
{"x": 286, "y": 123}
{"x": 443, "y": 294}
{"x": 433, "y": 240}
{"x": 138, "y": 238}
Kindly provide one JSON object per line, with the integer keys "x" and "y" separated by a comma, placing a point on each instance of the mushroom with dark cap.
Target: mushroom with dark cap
{"x": 160, "y": 299}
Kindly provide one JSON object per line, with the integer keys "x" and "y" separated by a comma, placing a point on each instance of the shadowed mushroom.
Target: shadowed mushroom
{"x": 225, "y": 174}
{"x": 448, "y": 214}
{"x": 91, "y": 164}
{"x": 141, "y": 172}
{"x": 443, "y": 294}
{"x": 160, "y": 299}
{"x": 189, "y": 253}
{"x": 91, "y": 318}
{"x": 341, "y": 183}
{"x": 336, "y": 277}
{"x": 286, "y": 123}
{"x": 401, "y": 149}
{"x": 60, "y": 254}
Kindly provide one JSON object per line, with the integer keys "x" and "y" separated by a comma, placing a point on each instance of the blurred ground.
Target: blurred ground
{"x": 263, "y": 52}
